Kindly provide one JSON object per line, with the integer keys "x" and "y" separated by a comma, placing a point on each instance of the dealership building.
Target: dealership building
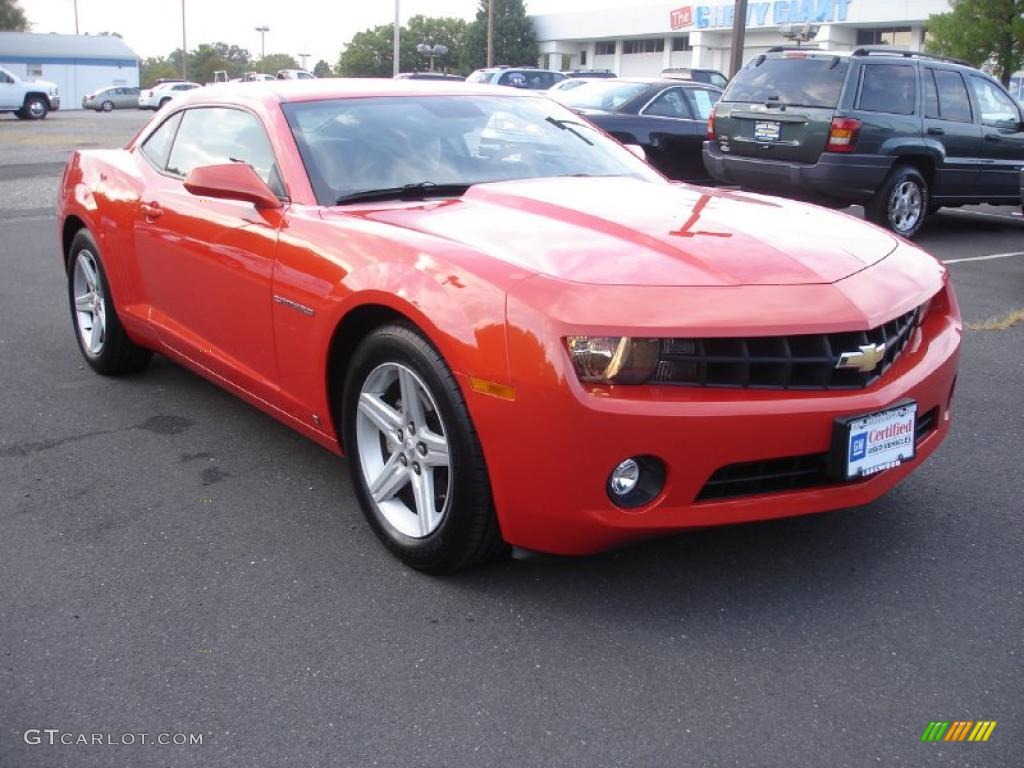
{"x": 78, "y": 64}
{"x": 641, "y": 41}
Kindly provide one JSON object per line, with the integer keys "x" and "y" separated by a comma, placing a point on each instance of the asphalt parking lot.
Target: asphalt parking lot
{"x": 173, "y": 561}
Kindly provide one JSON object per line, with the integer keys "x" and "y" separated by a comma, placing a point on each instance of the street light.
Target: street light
{"x": 263, "y": 41}
{"x": 304, "y": 56}
{"x": 431, "y": 51}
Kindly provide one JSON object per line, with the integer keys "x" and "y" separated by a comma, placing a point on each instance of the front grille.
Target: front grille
{"x": 804, "y": 361}
{"x": 786, "y": 474}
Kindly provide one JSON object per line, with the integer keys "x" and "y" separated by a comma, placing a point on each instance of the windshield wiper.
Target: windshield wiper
{"x": 566, "y": 125}
{"x": 417, "y": 191}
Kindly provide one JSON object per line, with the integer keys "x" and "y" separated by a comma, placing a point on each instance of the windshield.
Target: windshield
{"x": 601, "y": 94}
{"x": 805, "y": 82}
{"x": 360, "y": 144}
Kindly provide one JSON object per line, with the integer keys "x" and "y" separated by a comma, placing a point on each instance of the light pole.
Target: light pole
{"x": 739, "y": 33}
{"x": 303, "y": 57}
{"x": 76, "y": 17}
{"x": 263, "y": 42}
{"x": 431, "y": 51}
{"x": 397, "y": 52}
{"x": 184, "y": 46}
{"x": 490, "y": 33}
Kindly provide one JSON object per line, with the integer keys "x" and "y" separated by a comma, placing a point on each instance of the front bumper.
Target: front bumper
{"x": 54, "y": 103}
{"x": 849, "y": 178}
{"x": 550, "y": 451}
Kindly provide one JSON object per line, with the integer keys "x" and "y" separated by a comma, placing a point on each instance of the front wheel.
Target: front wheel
{"x": 415, "y": 459}
{"x": 101, "y": 338}
{"x": 36, "y": 108}
{"x": 901, "y": 203}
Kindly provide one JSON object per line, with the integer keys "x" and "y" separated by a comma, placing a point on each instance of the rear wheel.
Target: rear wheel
{"x": 901, "y": 203}
{"x": 163, "y": 102}
{"x": 103, "y": 342}
{"x": 415, "y": 459}
{"x": 36, "y": 108}
{"x": 107, "y": 106}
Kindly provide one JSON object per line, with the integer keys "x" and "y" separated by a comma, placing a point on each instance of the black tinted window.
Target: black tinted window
{"x": 159, "y": 141}
{"x": 214, "y": 135}
{"x": 888, "y": 88}
{"x": 931, "y": 95}
{"x": 808, "y": 82}
{"x": 995, "y": 106}
{"x": 670, "y": 103}
{"x": 954, "y": 104}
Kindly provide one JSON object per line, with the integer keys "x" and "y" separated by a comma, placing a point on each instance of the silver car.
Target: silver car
{"x": 109, "y": 99}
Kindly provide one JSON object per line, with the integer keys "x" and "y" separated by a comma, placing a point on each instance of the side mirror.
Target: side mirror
{"x": 231, "y": 181}
{"x": 637, "y": 150}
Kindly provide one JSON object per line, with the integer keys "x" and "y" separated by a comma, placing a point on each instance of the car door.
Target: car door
{"x": 676, "y": 133}
{"x": 1003, "y": 134}
{"x": 206, "y": 264}
{"x": 121, "y": 98}
{"x": 949, "y": 125}
{"x": 9, "y": 91}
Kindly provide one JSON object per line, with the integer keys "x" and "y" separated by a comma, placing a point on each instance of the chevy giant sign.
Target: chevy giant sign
{"x": 760, "y": 14}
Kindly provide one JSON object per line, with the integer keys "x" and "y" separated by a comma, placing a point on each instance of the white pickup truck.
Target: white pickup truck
{"x": 29, "y": 101}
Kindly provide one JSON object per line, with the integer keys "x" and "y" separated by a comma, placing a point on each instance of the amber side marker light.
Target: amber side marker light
{"x": 492, "y": 388}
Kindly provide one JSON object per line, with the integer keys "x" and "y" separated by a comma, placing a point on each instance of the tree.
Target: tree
{"x": 211, "y": 57}
{"x": 435, "y": 30}
{"x": 369, "y": 53}
{"x": 323, "y": 69}
{"x": 12, "y": 17}
{"x": 156, "y": 67}
{"x": 981, "y": 31}
{"x": 275, "y": 61}
{"x": 514, "y": 40}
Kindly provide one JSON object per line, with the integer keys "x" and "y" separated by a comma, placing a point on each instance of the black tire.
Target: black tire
{"x": 36, "y": 108}
{"x": 21, "y": 114}
{"x": 901, "y": 203}
{"x": 118, "y": 354}
{"x": 468, "y": 532}
{"x": 163, "y": 102}
{"x": 107, "y": 106}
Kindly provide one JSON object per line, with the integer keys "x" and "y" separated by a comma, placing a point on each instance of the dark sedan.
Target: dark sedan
{"x": 668, "y": 118}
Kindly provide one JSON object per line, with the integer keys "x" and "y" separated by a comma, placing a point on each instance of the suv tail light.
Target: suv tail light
{"x": 842, "y": 134}
{"x": 711, "y": 125}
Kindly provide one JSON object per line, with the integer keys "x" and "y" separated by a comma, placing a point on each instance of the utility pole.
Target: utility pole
{"x": 490, "y": 33}
{"x": 184, "y": 47}
{"x": 397, "y": 53}
{"x": 739, "y": 33}
{"x": 304, "y": 56}
{"x": 263, "y": 42}
{"x": 76, "y": 17}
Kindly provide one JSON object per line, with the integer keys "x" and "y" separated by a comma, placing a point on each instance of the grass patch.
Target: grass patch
{"x": 1000, "y": 323}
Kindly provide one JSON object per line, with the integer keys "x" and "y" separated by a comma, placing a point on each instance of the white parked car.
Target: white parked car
{"x": 295, "y": 74}
{"x": 28, "y": 100}
{"x": 158, "y": 96}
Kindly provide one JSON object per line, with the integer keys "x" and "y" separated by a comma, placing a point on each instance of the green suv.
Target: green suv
{"x": 899, "y": 132}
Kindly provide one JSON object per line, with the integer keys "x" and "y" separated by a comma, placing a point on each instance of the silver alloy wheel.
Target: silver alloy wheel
{"x": 36, "y": 108}
{"x": 403, "y": 450}
{"x": 90, "y": 302}
{"x": 108, "y": 106}
{"x": 905, "y": 206}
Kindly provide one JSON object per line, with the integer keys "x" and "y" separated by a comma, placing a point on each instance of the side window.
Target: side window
{"x": 159, "y": 141}
{"x": 669, "y": 103}
{"x": 995, "y": 106}
{"x": 5, "y": 77}
{"x": 515, "y": 79}
{"x": 217, "y": 135}
{"x": 718, "y": 80}
{"x": 888, "y": 88}
{"x": 703, "y": 101}
{"x": 931, "y": 93}
{"x": 954, "y": 103}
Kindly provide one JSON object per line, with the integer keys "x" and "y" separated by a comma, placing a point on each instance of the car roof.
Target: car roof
{"x": 269, "y": 92}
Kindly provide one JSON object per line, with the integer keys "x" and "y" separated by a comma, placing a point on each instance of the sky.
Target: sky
{"x": 316, "y": 27}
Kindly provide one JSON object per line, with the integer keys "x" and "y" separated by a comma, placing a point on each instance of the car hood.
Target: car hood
{"x": 618, "y": 231}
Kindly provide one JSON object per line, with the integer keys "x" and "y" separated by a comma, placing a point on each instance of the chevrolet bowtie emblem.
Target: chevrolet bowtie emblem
{"x": 865, "y": 359}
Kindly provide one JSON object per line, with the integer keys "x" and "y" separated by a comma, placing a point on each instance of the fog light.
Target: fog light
{"x": 625, "y": 477}
{"x": 636, "y": 481}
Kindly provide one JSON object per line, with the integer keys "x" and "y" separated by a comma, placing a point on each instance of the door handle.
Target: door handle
{"x": 151, "y": 210}
{"x": 993, "y": 137}
{"x": 936, "y": 132}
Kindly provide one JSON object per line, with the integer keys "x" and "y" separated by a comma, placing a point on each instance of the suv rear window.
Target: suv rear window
{"x": 806, "y": 82}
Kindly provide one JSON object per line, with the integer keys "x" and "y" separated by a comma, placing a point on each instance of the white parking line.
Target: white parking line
{"x": 984, "y": 258}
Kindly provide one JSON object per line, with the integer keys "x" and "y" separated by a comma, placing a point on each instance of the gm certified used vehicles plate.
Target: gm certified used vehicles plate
{"x": 518, "y": 332}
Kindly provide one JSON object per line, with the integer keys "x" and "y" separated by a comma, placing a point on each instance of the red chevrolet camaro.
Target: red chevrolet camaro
{"x": 518, "y": 332}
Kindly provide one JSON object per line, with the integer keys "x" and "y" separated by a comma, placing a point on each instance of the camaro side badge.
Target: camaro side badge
{"x": 864, "y": 359}
{"x": 295, "y": 305}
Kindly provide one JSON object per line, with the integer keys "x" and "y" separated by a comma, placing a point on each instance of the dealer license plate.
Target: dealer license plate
{"x": 766, "y": 131}
{"x": 878, "y": 441}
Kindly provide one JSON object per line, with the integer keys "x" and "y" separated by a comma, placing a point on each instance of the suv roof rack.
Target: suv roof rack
{"x": 882, "y": 50}
{"x": 803, "y": 48}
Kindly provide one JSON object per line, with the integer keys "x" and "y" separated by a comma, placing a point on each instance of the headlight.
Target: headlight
{"x": 613, "y": 359}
